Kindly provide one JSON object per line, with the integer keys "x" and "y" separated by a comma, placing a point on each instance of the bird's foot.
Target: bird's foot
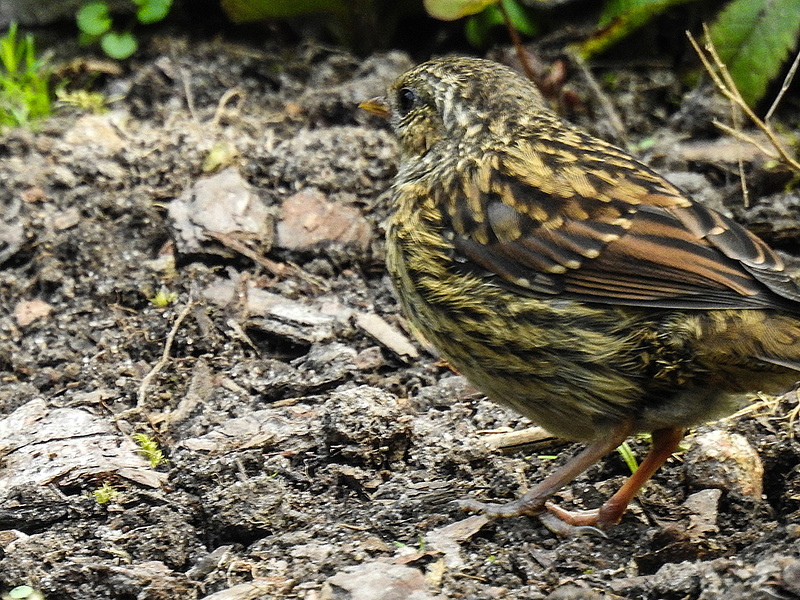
{"x": 572, "y": 523}
{"x": 560, "y": 521}
{"x": 523, "y": 506}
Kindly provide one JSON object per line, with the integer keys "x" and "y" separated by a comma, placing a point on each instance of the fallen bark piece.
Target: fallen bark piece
{"x": 66, "y": 446}
{"x": 447, "y": 539}
{"x": 310, "y": 221}
{"x": 377, "y": 581}
{"x": 280, "y": 316}
{"x": 221, "y": 204}
{"x": 387, "y": 335}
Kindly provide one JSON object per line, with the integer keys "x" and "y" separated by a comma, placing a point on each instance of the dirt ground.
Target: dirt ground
{"x": 203, "y": 264}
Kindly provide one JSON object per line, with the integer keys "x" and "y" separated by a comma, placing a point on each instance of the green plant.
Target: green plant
{"x": 620, "y": 18}
{"x": 84, "y": 100}
{"x": 23, "y": 592}
{"x": 483, "y": 16}
{"x": 627, "y": 455}
{"x": 163, "y": 298}
{"x": 105, "y": 493}
{"x": 24, "y": 93}
{"x": 753, "y": 37}
{"x": 95, "y": 23}
{"x": 149, "y": 449}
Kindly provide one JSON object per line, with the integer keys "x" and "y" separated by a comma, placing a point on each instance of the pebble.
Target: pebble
{"x": 726, "y": 461}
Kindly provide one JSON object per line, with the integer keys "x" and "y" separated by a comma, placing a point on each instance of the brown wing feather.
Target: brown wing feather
{"x": 619, "y": 235}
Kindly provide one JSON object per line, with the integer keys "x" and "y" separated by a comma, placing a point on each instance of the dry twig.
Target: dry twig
{"x": 605, "y": 102}
{"x": 787, "y": 81}
{"x": 142, "y": 393}
{"x": 517, "y": 43}
{"x": 229, "y": 96}
{"x": 727, "y": 87}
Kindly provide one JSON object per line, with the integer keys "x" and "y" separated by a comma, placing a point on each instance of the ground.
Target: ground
{"x": 203, "y": 264}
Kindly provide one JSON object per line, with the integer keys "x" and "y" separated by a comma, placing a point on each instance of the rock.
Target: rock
{"x": 725, "y": 461}
{"x": 377, "y": 581}
{"x": 310, "y": 221}
{"x": 28, "y": 311}
{"x": 703, "y": 507}
{"x": 223, "y": 204}
{"x": 681, "y": 579}
{"x": 790, "y": 576}
{"x": 95, "y": 131}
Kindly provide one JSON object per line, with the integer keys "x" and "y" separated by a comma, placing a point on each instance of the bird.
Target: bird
{"x": 570, "y": 282}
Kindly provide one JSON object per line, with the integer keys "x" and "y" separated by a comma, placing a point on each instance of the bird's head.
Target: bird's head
{"x": 454, "y": 101}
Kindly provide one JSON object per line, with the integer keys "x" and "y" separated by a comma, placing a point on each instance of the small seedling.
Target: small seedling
{"x": 627, "y": 455}
{"x": 95, "y": 23}
{"x": 24, "y": 95}
{"x": 84, "y": 100}
{"x": 23, "y": 592}
{"x": 163, "y": 298}
{"x": 105, "y": 493}
{"x": 149, "y": 449}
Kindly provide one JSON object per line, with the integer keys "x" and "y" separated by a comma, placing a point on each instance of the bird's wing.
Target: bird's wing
{"x": 595, "y": 225}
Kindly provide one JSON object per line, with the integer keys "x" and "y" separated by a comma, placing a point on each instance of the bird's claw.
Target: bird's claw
{"x": 515, "y": 508}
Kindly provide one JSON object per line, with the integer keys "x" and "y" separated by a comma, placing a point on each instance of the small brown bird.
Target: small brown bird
{"x": 569, "y": 281}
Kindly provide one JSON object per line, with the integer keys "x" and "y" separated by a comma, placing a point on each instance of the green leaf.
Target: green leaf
{"x": 93, "y": 18}
{"x": 619, "y": 19}
{"x": 248, "y": 11}
{"x": 628, "y": 456}
{"x": 753, "y": 38}
{"x": 153, "y": 11}
{"x": 84, "y": 39}
{"x": 477, "y": 27}
{"x": 450, "y": 10}
{"x": 520, "y": 18}
{"x": 119, "y": 45}
{"x": 10, "y": 52}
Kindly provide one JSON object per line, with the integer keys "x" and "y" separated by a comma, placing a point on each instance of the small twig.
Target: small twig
{"x": 230, "y": 241}
{"x": 223, "y": 103}
{"x": 165, "y": 355}
{"x": 512, "y": 32}
{"x": 605, "y": 101}
{"x": 726, "y": 86}
{"x": 787, "y": 81}
{"x": 187, "y": 90}
{"x": 744, "y": 137}
{"x": 739, "y": 159}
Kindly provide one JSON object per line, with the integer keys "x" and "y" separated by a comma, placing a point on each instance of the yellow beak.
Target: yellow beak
{"x": 376, "y": 106}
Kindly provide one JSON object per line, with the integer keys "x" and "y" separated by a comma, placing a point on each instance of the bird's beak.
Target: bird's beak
{"x": 376, "y": 106}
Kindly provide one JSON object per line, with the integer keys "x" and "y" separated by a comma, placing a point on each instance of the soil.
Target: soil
{"x": 313, "y": 448}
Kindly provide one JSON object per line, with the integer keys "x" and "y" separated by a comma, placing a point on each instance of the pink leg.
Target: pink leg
{"x": 665, "y": 442}
{"x": 533, "y": 502}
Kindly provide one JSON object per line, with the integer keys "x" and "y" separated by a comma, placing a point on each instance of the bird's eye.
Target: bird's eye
{"x": 406, "y": 99}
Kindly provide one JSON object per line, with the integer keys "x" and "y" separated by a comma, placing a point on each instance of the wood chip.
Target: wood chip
{"x": 387, "y": 335}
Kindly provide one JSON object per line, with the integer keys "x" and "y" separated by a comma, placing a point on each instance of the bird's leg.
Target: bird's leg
{"x": 665, "y": 442}
{"x": 533, "y": 502}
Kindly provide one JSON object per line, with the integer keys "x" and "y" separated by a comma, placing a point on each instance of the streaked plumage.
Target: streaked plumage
{"x": 569, "y": 281}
